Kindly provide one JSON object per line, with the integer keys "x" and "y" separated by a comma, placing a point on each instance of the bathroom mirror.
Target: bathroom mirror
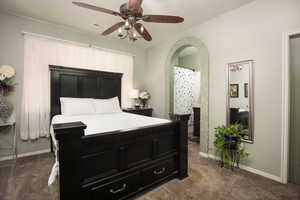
{"x": 240, "y": 96}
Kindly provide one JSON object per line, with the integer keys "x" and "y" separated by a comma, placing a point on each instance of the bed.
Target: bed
{"x": 113, "y": 156}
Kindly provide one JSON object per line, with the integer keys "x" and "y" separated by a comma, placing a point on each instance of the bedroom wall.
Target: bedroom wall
{"x": 253, "y": 31}
{"x": 190, "y": 61}
{"x": 12, "y": 52}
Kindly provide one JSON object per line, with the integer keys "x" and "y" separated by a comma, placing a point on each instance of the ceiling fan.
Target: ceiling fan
{"x": 131, "y": 13}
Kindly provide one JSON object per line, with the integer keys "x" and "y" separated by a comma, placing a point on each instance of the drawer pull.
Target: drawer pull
{"x": 160, "y": 172}
{"x": 119, "y": 190}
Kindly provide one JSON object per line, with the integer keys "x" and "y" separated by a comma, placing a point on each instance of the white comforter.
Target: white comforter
{"x": 102, "y": 123}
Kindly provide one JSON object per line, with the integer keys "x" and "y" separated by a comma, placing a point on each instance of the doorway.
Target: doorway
{"x": 294, "y": 147}
{"x": 202, "y": 60}
{"x": 186, "y": 89}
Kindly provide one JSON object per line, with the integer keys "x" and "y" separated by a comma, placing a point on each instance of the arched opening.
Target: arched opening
{"x": 196, "y": 48}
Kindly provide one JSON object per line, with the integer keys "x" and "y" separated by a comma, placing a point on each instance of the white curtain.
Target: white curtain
{"x": 184, "y": 87}
{"x": 42, "y": 52}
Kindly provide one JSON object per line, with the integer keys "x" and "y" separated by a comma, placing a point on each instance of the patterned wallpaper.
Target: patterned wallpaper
{"x": 184, "y": 83}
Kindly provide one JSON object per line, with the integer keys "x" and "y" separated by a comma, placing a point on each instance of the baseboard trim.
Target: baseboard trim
{"x": 205, "y": 155}
{"x": 25, "y": 154}
{"x": 247, "y": 168}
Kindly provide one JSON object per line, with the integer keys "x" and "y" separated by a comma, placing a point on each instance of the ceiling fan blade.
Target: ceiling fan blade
{"x": 162, "y": 19}
{"x": 113, "y": 28}
{"x": 135, "y": 4}
{"x": 146, "y": 35}
{"x": 104, "y": 10}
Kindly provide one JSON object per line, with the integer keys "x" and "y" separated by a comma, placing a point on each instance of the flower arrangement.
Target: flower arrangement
{"x": 6, "y": 79}
{"x": 144, "y": 96}
{"x": 6, "y": 86}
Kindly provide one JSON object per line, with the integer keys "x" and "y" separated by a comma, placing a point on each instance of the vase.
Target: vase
{"x": 143, "y": 102}
{"x": 230, "y": 142}
{"x": 230, "y": 138}
{"x": 6, "y": 108}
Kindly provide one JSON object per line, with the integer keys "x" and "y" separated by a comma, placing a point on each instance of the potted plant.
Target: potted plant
{"x": 144, "y": 96}
{"x": 229, "y": 142}
{"x": 6, "y": 87}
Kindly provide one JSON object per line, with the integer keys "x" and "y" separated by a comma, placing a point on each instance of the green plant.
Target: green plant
{"x": 228, "y": 139}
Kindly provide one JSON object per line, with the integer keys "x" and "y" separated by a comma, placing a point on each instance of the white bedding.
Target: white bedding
{"x": 102, "y": 123}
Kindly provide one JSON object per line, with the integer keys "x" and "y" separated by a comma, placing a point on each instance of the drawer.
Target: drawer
{"x": 158, "y": 171}
{"x": 117, "y": 189}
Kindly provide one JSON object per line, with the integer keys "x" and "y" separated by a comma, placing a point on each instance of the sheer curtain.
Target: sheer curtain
{"x": 184, "y": 91}
{"x": 39, "y": 54}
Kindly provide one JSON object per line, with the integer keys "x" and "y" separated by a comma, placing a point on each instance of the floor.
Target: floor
{"x": 27, "y": 180}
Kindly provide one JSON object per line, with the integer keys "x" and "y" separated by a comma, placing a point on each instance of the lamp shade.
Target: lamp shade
{"x": 134, "y": 94}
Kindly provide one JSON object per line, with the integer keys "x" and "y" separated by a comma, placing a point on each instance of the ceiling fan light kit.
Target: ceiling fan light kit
{"x": 131, "y": 13}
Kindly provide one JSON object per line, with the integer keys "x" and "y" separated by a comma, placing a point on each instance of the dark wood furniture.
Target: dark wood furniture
{"x": 139, "y": 111}
{"x": 237, "y": 117}
{"x": 197, "y": 112}
{"x": 115, "y": 165}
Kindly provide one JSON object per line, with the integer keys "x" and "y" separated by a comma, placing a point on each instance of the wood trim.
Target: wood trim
{"x": 75, "y": 149}
{"x": 87, "y": 164}
{"x": 99, "y": 77}
{"x": 286, "y": 104}
{"x": 57, "y": 72}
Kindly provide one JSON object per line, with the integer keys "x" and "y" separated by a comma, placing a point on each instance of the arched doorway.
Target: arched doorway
{"x": 203, "y": 65}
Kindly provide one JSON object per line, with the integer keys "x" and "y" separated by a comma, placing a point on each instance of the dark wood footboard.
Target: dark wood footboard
{"x": 121, "y": 164}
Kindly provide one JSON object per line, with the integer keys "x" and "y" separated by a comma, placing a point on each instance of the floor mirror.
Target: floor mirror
{"x": 240, "y": 96}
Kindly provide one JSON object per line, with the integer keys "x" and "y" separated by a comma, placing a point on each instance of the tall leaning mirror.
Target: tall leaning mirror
{"x": 240, "y": 96}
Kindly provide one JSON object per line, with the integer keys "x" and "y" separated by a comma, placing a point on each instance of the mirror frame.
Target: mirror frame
{"x": 250, "y": 96}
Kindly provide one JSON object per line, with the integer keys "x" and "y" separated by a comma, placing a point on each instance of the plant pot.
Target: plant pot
{"x": 143, "y": 103}
{"x": 230, "y": 145}
{"x": 231, "y": 138}
{"x": 6, "y": 108}
{"x": 231, "y": 142}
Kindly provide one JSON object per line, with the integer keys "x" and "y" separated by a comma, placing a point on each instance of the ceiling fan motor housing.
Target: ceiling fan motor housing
{"x": 126, "y": 12}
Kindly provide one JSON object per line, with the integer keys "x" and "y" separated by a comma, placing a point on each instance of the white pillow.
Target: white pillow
{"x": 76, "y": 106}
{"x": 106, "y": 106}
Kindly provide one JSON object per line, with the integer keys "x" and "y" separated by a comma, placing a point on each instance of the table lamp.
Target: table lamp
{"x": 134, "y": 94}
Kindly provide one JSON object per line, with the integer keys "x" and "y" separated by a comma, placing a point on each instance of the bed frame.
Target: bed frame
{"x": 115, "y": 165}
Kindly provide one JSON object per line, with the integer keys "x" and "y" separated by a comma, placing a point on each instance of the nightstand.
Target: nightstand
{"x": 139, "y": 111}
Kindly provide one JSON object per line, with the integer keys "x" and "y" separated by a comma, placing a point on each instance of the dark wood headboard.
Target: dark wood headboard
{"x": 82, "y": 83}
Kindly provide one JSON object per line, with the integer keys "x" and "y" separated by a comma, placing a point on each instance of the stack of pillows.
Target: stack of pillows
{"x": 86, "y": 106}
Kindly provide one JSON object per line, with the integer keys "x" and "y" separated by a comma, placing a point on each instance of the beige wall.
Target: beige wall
{"x": 12, "y": 52}
{"x": 253, "y": 31}
{"x": 190, "y": 61}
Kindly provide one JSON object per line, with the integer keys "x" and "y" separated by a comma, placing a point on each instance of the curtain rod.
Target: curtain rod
{"x": 76, "y": 43}
{"x": 185, "y": 67}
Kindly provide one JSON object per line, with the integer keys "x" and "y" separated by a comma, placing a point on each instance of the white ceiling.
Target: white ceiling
{"x": 63, "y": 12}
